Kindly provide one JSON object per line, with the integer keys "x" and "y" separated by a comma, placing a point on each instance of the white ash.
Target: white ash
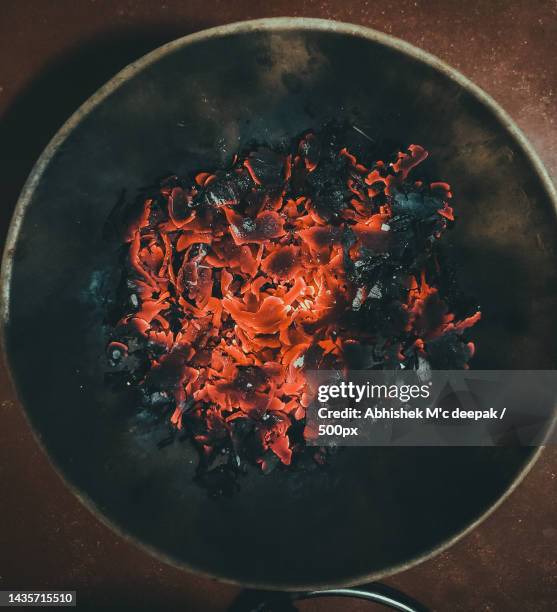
{"x": 424, "y": 369}
{"x": 358, "y": 299}
{"x": 248, "y": 225}
{"x": 375, "y": 293}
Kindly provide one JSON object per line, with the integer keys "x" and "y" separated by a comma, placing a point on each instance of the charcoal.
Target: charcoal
{"x": 267, "y": 165}
{"x": 237, "y": 281}
{"x": 227, "y": 188}
{"x": 220, "y": 193}
{"x": 311, "y": 149}
{"x": 448, "y": 352}
{"x": 416, "y": 204}
{"x": 358, "y": 356}
{"x": 269, "y": 462}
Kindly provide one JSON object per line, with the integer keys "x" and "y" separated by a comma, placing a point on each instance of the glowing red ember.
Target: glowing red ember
{"x": 282, "y": 262}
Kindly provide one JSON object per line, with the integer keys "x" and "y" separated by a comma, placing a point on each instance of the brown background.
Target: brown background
{"x": 53, "y": 55}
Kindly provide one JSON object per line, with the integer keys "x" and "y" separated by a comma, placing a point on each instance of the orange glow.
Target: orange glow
{"x": 234, "y": 299}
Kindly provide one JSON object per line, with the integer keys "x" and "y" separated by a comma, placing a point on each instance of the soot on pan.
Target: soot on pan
{"x": 314, "y": 255}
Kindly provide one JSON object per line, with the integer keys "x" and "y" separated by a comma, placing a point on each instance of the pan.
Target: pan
{"x": 191, "y": 104}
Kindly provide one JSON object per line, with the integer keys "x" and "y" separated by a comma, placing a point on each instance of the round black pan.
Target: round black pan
{"x": 191, "y": 104}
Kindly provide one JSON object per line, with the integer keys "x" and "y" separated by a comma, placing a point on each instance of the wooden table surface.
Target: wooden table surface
{"x": 53, "y": 55}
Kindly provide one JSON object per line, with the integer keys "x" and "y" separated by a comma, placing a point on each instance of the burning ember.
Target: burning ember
{"x": 305, "y": 257}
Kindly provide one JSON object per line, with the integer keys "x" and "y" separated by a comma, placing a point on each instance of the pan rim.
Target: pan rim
{"x": 275, "y": 24}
